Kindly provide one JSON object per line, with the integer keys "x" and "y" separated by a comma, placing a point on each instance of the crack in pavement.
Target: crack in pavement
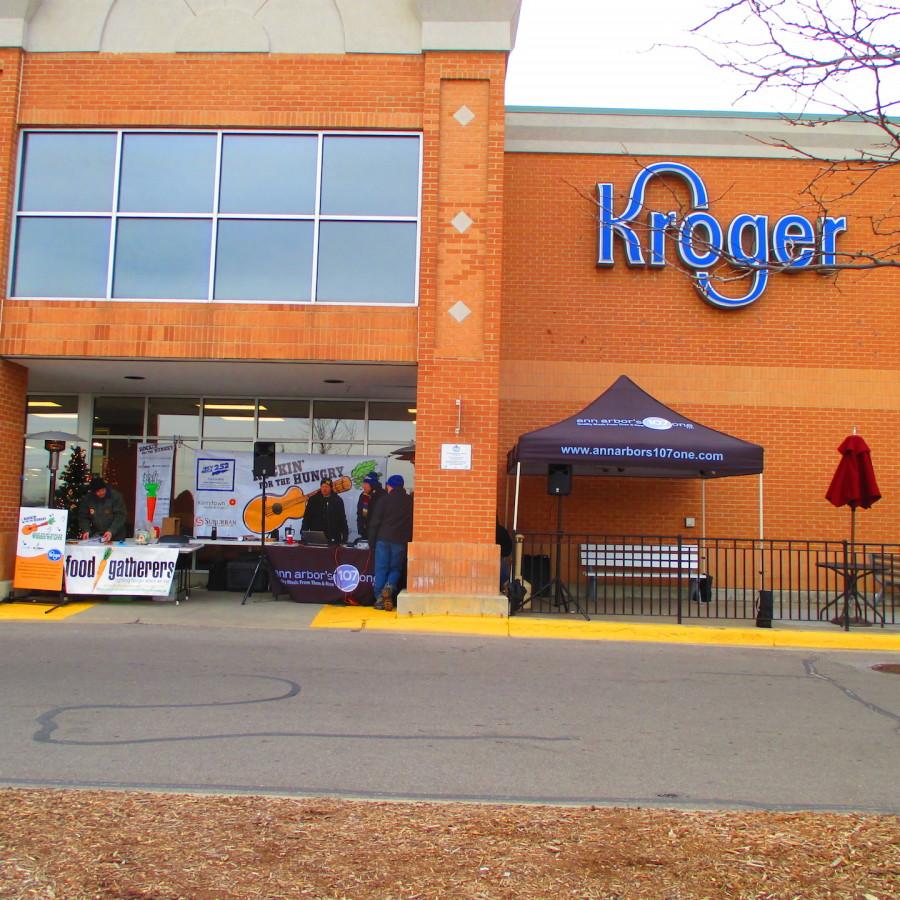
{"x": 49, "y": 723}
{"x": 810, "y": 666}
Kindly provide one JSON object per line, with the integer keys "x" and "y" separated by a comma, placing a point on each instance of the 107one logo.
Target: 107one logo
{"x": 346, "y": 578}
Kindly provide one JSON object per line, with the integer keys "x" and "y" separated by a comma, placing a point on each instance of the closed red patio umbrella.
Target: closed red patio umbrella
{"x": 853, "y": 485}
{"x": 854, "y": 481}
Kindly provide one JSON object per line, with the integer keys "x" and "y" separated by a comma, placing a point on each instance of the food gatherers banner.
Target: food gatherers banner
{"x": 229, "y": 498}
{"x": 153, "y": 486}
{"x": 116, "y": 569}
{"x": 40, "y": 542}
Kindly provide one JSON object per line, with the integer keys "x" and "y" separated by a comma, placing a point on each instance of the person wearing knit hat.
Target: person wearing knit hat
{"x": 371, "y": 493}
{"x": 102, "y": 512}
{"x": 390, "y": 530}
{"x": 325, "y": 512}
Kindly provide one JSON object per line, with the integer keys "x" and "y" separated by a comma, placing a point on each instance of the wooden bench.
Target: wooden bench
{"x": 646, "y": 561}
{"x": 887, "y": 577}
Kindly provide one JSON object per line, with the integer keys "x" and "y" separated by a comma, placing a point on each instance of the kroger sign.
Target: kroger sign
{"x": 793, "y": 243}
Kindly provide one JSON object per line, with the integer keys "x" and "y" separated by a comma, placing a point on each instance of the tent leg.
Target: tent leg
{"x": 760, "y": 506}
{"x": 703, "y": 509}
{"x": 516, "y": 504}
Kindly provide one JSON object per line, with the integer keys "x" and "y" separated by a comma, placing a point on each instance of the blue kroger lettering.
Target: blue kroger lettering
{"x": 793, "y": 244}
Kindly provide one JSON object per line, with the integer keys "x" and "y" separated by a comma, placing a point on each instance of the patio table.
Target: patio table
{"x": 854, "y": 570}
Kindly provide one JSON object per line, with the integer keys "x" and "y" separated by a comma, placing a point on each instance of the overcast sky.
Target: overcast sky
{"x": 600, "y": 53}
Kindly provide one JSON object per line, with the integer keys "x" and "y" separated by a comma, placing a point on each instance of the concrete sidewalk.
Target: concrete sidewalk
{"x": 224, "y": 610}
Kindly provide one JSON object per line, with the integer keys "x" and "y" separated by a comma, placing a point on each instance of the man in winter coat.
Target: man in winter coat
{"x": 390, "y": 530}
{"x": 325, "y": 512}
{"x": 102, "y": 512}
{"x": 371, "y": 494}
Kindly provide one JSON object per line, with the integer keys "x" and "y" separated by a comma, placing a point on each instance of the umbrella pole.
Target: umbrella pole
{"x": 516, "y": 504}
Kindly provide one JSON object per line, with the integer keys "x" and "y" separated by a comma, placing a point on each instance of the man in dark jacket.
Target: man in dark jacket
{"x": 390, "y": 530}
{"x": 325, "y": 512}
{"x": 371, "y": 493}
{"x": 102, "y": 512}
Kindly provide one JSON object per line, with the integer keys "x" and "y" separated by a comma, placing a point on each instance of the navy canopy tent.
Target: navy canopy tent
{"x": 626, "y": 432}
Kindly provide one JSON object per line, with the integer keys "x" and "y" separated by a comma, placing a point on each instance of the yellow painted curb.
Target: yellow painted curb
{"x": 365, "y": 618}
{"x": 356, "y": 618}
{"x": 37, "y": 612}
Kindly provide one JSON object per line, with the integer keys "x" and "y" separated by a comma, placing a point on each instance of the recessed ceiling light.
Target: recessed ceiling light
{"x": 34, "y": 403}
{"x": 134, "y": 377}
{"x": 334, "y": 381}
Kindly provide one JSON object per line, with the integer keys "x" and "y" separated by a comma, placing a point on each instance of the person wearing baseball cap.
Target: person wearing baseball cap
{"x": 390, "y": 530}
{"x": 325, "y": 512}
{"x": 371, "y": 493}
{"x": 102, "y": 512}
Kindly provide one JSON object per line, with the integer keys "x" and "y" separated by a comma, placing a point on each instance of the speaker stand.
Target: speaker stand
{"x": 262, "y": 564}
{"x": 555, "y": 587}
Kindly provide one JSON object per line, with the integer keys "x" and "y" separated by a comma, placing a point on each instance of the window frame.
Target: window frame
{"x": 215, "y": 216}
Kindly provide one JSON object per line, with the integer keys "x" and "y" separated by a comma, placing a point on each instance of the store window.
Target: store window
{"x": 370, "y": 176}
{"x": 80, "y": 250}
{"x": 160, "y": 259}
{"x": 169, "y": 417}
{"x": 339, "y": 427}
{"x": 393, "y": 423}
{"x": 384, "y": 267}
{"x": 120, "y": 416}
{"x": 264, "y": 260}
{"x": 46, "y": 412}
{"x": 228, "y": 418}
{"x": 67, "y": 172}
{"x": 272, "y": 174}
{"x": 167, "y": 173}
{"x": 285, "y": 421}
{"x": 230, "y": 217}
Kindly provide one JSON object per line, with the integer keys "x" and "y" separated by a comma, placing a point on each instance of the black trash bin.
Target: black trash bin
{"x": 764, "y": 610}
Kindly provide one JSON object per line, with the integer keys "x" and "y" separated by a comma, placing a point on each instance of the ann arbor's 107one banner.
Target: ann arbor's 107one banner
{"x": 227, "y": 496}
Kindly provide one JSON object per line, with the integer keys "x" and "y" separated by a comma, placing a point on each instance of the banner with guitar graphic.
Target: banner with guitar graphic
{"x": 229, "y": 498}
{"x": 40, "y": 543}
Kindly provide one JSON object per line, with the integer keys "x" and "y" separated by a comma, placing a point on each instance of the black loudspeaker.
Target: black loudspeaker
{"x": 559, "y": 480}
{"x": 263, "y": 459}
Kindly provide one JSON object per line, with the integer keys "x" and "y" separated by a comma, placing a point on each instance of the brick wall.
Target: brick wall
{"x": 794, "y": 371}
{"x": 454, "y": 549}
{"x": 13, "y": 385}
{"x": 211, "y": 91}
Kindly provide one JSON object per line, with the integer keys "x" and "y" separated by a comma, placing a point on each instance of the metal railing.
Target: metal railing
{"x": 687, "y": 578}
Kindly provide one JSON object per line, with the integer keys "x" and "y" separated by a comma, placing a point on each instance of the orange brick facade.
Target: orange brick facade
{"x": 463, "y": 169}
{"x": 545, "y": 330}
{"x": 795, "y": 371}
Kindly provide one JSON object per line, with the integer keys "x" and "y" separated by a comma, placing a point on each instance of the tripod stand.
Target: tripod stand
{"x": 262, "y": 564}
{"x": 555, "y": 587}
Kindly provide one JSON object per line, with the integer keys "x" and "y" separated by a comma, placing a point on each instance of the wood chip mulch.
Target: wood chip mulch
{"x": 99, "y": 844}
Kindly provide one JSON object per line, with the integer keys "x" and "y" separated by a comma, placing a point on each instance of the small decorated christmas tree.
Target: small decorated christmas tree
{"x": 73, "y": 486}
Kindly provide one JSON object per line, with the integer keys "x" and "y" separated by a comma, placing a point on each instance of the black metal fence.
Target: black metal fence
{"x": 713, "y": 578}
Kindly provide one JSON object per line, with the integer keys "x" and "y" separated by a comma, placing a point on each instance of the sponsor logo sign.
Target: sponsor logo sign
{"x": 347, "y": 578}
{"x": 111, "y": 569}
{"x": 215, "y": 474}
{"x": 789, "y": 244}
{"x": 40, "y": 541}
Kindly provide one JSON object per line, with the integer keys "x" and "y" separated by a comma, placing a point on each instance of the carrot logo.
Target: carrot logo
{"x": 102, "y": 567}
